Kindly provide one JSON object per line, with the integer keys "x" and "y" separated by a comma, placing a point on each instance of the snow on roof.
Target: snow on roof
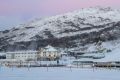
{"x": 19, "y": 52}
{"x": 85, "y": 59}
{"x": 113, "y": 56}
{"x": 94, "y": 54}
{"x": 2, "y": 60}
{"x": 50, "y": 48}
{"x": 64, "y": 53}
{"x": 1, "y": 53}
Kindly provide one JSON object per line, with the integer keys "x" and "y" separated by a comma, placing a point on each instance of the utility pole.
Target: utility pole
{"x": 0, "y": 66}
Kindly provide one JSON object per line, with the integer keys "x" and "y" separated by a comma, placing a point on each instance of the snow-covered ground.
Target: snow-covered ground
{"x": 58, "y": 74}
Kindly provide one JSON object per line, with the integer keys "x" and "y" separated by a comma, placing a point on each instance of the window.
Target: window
{"x": 17, "y": 56}
{"x": 49, "y": 55}
{"x": 44, "y": 54}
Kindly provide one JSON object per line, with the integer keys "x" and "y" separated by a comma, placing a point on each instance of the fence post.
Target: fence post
{"x": 71, "y": 68}
{"x": 93, "y": 66}
{"x": 0, "y": 66}
{"x": 47, "y": 67}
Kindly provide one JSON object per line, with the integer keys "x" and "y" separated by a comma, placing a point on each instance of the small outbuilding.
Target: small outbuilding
{"x": 2, "y": 55}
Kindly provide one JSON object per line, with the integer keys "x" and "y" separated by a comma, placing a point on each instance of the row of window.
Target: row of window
{"x": 24, "y": 53}
{"x": 50, "y": 52}
{"x": 25, "y": 56}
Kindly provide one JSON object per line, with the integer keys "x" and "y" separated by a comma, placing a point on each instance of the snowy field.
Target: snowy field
{"x": 58, "y": 74}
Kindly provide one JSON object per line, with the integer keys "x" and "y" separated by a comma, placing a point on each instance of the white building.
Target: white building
{"x": 49, "y": 53}
{"x": 22, "y": 55}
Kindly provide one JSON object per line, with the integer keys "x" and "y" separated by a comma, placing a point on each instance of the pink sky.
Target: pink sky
{"x": 27, "y": 9}
{"x": 49, "y": 7}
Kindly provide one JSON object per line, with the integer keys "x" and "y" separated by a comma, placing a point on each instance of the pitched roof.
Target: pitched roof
{"x": 50, "y": 48}
{"x": 19, "y": 52}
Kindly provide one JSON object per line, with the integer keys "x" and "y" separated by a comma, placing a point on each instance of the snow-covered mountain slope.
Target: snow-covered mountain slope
{"x": 68, "y": 30}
